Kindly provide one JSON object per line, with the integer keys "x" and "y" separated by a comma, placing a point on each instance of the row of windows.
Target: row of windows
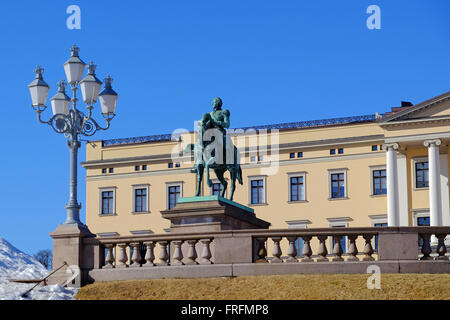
{"x": 338, "y": 189}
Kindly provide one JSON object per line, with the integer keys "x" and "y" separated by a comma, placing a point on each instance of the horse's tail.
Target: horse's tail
{"x": 239, "y": 174}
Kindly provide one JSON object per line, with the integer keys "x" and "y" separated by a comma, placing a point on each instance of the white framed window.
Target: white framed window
{"x": 421, "y": 218}
{"x": 377, "y": 220}
{"x": 339, "y": 223}
{"x": 216, "y": 188}
{"x": 337, "y": 184}
{"x": 257, "y": 190}
{"x": 297, "y": 187}
{"x": 174, "y": 190}
{"x": 107, "y": 201}
{"x": 378, "y": 182}
{"x": 141, "y": 198}
{"x": 420, "y": 172}
{"x": 298, "y": 224}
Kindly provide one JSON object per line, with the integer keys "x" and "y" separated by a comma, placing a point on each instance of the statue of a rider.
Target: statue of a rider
{"x": 213, "y": 125}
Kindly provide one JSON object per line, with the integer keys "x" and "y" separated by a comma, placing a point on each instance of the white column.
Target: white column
{"x": 434, "y": 178}
{"x": 392, "y": 184}
{"x": 402, "y": 178}
{"x": 445, "y": 191}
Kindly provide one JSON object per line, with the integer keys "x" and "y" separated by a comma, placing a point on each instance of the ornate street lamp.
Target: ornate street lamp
{"x": 70, "y": 121}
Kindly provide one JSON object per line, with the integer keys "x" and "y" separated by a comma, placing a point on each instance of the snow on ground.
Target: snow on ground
{"x": 14, "y": 264}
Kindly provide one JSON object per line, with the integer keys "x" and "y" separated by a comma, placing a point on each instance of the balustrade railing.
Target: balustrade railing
{"x": 276, "y": 246}
{"x": 116, "y": 255}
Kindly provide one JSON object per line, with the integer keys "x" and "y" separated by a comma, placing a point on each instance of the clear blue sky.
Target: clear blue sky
{"x": 270, "y": 61}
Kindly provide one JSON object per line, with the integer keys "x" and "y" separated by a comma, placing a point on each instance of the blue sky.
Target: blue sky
{"x": 270, "y": 61}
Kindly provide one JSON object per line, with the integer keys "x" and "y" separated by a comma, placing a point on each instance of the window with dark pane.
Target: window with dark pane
{"x": 422, "y": 174}
{"x": 107, "y": 202}
{"x": 257, "y": 191}
{"x": 376, "y": 236}
{"x": 297, "y": 188}
{"x": 174, "y": 194}
{"x": 337, "y": 185}
{"x": 140, "y": 200}
{"x": 216, "y": 189}
{"x": 379, "y": 182}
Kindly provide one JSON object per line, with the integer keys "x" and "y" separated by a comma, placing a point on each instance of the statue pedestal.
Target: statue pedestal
{"x": 211, "y": 213}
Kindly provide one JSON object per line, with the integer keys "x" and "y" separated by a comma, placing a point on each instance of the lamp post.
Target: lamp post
{"x": 69, "y": 120}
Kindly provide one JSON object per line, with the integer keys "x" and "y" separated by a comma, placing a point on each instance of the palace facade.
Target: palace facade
{"x": 375, "y": 170}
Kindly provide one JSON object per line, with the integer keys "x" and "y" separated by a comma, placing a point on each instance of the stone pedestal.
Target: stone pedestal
{"x": 68, "y": 247}
{"x": 211, "y": 213}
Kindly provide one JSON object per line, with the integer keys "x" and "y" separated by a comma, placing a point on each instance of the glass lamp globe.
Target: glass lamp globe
{"x": 38, "y": 89}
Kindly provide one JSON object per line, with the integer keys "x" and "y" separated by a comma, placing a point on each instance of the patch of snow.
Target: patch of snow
{"x": 14, "y": 264}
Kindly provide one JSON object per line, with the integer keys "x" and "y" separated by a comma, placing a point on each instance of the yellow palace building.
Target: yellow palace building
{"x": 375, "y": 170}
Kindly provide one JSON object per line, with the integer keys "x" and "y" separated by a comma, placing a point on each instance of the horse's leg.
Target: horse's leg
{"x": 199, "y": 179}
{"x": 208, "y": 179}
{"x": 233, "y": 181}
{"x": 219, "y": 173}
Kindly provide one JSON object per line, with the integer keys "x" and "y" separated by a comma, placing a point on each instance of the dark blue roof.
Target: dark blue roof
{"x": 279, "y": 126}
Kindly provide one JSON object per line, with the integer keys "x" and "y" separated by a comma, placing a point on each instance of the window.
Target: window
{"x": 299, "y": 154}
{"x": 299, "y": 242}
{"x": 379, "y": 182}
{"x": 297, "y": 188}
{"x": 422, "y": 222}
{"x": 338, "y": 184}
{"x": 177, "y": 164}
{"x": 260, "y": 158}
{"x": 384, "y": 224}
{"x": 137, "y": 168}
{"x": 170, "y": 165}
{"x": 374, "y": 147}
{"x": 173, "y": 193}
{"x": 343, "y": 241}
{"x": 104, "y": 170}
{"x": 339, "y": 223}
{"x": 144, "y": 167}
{"x": 257, "y": 190}
{"x": 252, "y": 159}
{"x": 140, "y": 199}
{"x": 216, "y": 189}
{"x": 107, "y": 201}
{"x": 111, "y": 170}
{"x": 341, "y": 150}
{"x": 292, "y": 155}
{"x": 332, "y": 151}
{"x": 421, "y": 174}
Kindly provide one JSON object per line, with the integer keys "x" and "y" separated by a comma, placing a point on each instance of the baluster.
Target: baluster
{"x": 177, "y": 253}
{"x": 262, "y": 252}
{"x": 322, "y": 249}
{"x": 276, "y": 251}
{"x": 136, "y": 257}
{"x": 192, "y": 252}
{"x": 426, "y": 249}
{"x": 163, "y": 256}
{"x": 150, "y": 253}
{"x": 441, "y": 249}
{"x": 292, "y": 251}
{"x": 307, "y": 252}
{"x": 206, "y": 252}
{"x": 337, "y": 248}
{"x": 368, "y": 250}
{"x": 352, "y": 249}
{"x": 110, "y": 259}
{"x": 123, "y": 258}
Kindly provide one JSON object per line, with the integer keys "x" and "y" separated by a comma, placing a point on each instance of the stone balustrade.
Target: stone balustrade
{"x": 117, "y": 254}
{"x": 266, "y": 251}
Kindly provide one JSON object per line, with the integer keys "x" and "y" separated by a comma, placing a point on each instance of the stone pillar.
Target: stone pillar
{"x": 68, "y": 247}
{"x": 434, "y": 174}
{"x": 392, "y": 184}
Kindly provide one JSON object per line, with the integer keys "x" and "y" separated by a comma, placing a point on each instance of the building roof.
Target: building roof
{"x": 279, "y": 126}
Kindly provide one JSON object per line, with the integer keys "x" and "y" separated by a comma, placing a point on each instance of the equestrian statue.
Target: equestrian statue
{"x": 214, "y": 149}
